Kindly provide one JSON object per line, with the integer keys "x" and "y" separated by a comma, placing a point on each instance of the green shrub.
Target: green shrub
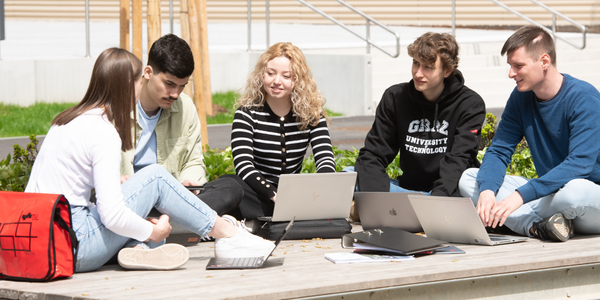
{"x": 218, "y": 162}
{"x": 14, "y": 176}
{"x": 521, "y": 162}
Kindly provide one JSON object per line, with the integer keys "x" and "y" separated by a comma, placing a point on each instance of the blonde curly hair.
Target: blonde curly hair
{"x": 307, "y": 100}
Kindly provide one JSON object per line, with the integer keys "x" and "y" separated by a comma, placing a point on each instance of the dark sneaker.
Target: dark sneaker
{"x": 555, "y": 228}
{"x": 207, "y": 238}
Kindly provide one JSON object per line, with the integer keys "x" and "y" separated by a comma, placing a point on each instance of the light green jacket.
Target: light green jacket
{"x": 178, "y": 144}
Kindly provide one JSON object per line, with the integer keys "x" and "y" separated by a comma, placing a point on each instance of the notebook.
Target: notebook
{"x": 382, "y": 209}
{"x": 313, "y": 196}
{"x": 390, "y": 240}
{"x": 245, "y": 262}
{"x": 455, "y": 220}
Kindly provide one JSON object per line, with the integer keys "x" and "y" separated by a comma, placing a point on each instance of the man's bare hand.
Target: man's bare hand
{"x": 487, "y": 200}
{"x": 504, "y": 208}
{"x": 124, "y": 178}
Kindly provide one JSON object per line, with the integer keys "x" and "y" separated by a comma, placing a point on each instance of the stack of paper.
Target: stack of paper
{"x": 351, "y": 257}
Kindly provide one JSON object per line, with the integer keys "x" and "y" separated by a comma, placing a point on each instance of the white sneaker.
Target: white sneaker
{"x": 165, "y": 257}
{"x": 242, "y": 244}
{"x": 237, "y": 223}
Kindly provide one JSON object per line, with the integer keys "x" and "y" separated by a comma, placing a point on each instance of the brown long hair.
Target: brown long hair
{"x": 112, "y": 86}
{"x": 307, "y": 100}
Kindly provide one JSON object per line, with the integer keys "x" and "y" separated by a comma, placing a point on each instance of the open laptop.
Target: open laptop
{"x": 455, "y": 220}
{"x": 382, "y": 209}
{"x": 246, "y": 262}
{"x": 313, "y": 196}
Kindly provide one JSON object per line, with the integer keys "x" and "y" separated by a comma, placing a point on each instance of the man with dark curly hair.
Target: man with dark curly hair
{"x": 434, "y": 121}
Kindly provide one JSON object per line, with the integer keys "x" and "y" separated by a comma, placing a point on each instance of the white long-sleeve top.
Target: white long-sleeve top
{"x": 86, "y": 154}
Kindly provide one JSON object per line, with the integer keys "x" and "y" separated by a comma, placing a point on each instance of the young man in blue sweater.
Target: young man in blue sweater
{"x": 558, "y": 115}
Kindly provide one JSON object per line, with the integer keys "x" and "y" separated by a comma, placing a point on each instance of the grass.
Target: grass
{"x": 23, "y": 121}
{"x": 36, "y": 119}
{"x": 227, "y": 101}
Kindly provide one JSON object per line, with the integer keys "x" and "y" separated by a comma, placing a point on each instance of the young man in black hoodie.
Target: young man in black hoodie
{"x": 434, "y": 121}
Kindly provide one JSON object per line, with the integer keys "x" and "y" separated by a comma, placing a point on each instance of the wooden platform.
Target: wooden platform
{"x": 528, "y": 270}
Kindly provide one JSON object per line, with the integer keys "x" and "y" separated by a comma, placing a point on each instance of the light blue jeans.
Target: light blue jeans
{"x": 394, "y": 186}
{"x": 578, "y": 200}
{"x": 151, "y": 187}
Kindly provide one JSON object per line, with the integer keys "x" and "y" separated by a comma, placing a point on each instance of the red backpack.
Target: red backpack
{"x": 37, "y": 241}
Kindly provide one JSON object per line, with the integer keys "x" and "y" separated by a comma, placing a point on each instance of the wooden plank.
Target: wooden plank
{"x": 299, "y": 269}
{"x": 195, "y": 39}
{"x": 137, "y": 29}
{"x": 153, "y": 16}
{"x": 185, "y": 34}
{"x": 124, "y": 16}
{"x": 206, "y": 91}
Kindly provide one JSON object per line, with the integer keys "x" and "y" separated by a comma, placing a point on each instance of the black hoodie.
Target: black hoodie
{"x": 437, "y": 140}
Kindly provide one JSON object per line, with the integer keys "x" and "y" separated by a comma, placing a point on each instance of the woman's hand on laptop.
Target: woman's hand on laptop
{"x": 274, "y": 197}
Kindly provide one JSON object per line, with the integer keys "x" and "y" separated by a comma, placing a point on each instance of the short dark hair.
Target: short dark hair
{"x": 427, "y": 47}
{"x": 171, "y": 54}
{"x": 536, "y": 41}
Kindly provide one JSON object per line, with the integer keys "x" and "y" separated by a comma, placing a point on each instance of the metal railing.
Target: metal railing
{"x": 367, "y": 37}
{"x": 522, "y": 16}
{"x": 87, "y": 24}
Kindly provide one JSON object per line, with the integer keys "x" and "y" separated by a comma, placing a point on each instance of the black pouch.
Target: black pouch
{"x": 325, "y": 229}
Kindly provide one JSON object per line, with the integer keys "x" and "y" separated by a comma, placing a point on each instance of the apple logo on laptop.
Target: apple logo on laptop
{"x": 393, "y": 212}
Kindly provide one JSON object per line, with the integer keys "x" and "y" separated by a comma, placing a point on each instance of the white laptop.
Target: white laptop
{"x": 314, "y": 196}
{"x": 455, "y": 220}
{"x": 383, "y": 209}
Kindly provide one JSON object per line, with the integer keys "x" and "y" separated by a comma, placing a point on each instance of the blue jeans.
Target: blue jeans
{"x": 394, "y": 186}
{"x": 151, "y": 187}
{"x": 578, "y": 200}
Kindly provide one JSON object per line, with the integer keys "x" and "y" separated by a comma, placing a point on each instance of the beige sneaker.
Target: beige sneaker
{"x": 165, "y": 257}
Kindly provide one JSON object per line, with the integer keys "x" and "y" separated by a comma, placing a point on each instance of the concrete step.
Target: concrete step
{"x": 411, "y": 12}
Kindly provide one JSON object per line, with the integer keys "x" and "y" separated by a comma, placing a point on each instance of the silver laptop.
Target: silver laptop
{"x": 246, "y": 262}
{"x": 455, "y": 220}
{"x": 382, "y": 209}
{"x": 314, "y": 196}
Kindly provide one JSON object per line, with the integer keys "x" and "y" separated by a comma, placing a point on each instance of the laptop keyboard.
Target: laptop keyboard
{"x": 243, "y": 261}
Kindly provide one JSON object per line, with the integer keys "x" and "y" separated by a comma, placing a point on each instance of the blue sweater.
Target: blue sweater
{"x": 562, "y": 133}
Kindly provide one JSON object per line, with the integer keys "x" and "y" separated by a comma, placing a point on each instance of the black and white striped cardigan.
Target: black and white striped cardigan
{"x": 265, "y": 145}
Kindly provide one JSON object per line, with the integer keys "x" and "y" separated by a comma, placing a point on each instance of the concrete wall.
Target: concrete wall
{"x": 344, "y": 80}
{"x": 25, "y": 82}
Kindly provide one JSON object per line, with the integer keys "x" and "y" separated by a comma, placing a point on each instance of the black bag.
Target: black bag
{"x": 325, "y": 229}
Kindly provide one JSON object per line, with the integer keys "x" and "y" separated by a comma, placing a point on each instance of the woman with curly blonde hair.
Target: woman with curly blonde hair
{"x": 280, "y": 112}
